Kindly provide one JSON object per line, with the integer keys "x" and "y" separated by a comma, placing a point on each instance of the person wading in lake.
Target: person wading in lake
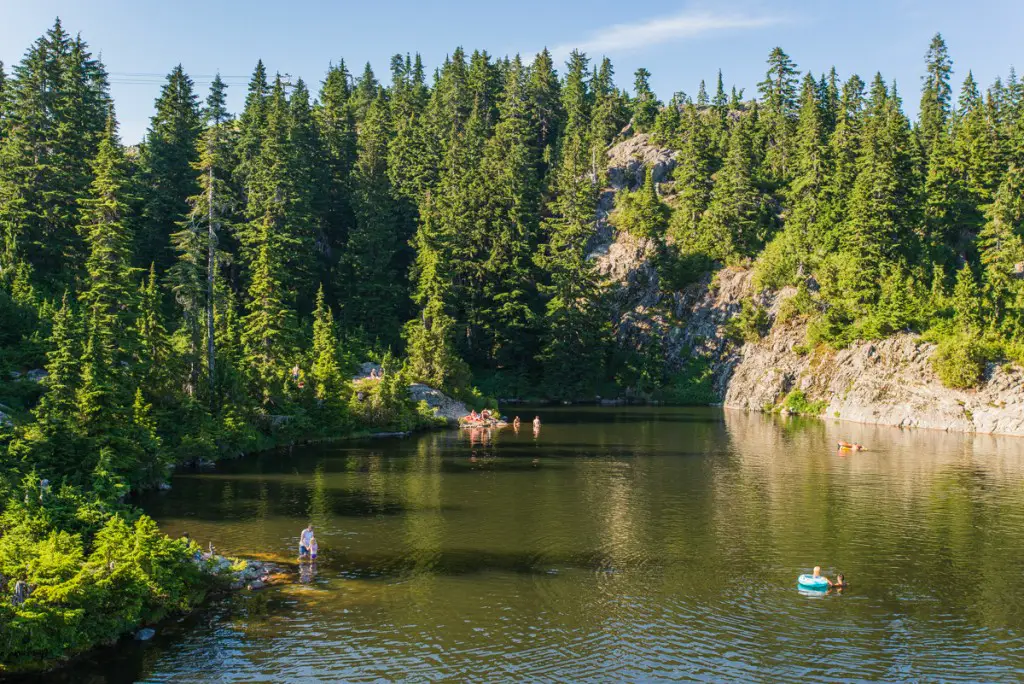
{"x": 306, "y": 542}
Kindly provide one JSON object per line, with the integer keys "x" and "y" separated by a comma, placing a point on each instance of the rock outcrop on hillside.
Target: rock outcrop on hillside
{"x": 443, "y": 406}
{"x": 888, "y": 382}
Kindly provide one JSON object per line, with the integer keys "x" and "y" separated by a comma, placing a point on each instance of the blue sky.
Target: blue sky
{"x": 679, "y": 42}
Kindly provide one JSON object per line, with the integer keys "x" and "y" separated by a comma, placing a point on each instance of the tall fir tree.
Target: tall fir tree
{"x": 645, "y": 104}
{"x": 610, "y": 112}
{"x": 375, "y": 296}
{"x": 693, "y": 179}
{"x": 336, "y": 128}
{"x": 325, "y": 363}
{"x": 57, "y": 105}
{"x": 936, "y": 94}
{"x": 575, "y": 334}
{"x": 510, "y": 209}
{"x": 251, "y": 128}
{"x": 795, "y": 250}
{"x": 883, "y": 203}
{"x": 268, "y": 326}
{"x": 167, "y": 158}
{"x": 1001, "y": 246}
{"x": 738, "y": 219}
{"x": 779, "y": 101}
{"x": 545, "y": 108}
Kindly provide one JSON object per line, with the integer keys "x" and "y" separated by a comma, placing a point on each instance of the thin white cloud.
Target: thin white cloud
{"x": 685, "y": 24}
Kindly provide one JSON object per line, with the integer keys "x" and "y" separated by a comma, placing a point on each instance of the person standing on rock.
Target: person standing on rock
{"x": 305, "y": 542}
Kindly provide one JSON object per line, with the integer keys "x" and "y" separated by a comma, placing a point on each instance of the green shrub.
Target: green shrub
{"x": 960, "y": 360}
{"x": 800, "y": 304}
{"x": 749, "y": 325}
{"x": 678, "y": 269}
{"x": 797, "y": 402}
{"x": 692, "y": 386}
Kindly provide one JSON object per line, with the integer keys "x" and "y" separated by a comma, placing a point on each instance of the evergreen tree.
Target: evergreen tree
{"x": 576, "y": 335}
{"x": 779, "y": 102}
{"x": 430, "y": 337}
{"x": 610, "y": 112}
{"x": 410, "y": 151}
{"x": 645, "y": 104}
{"x": 967, "y": 300}
{"x": 484, "y": 83}
{"x": 976, "y": 154}
{"x": 1001, "y": 245}
{"x": 281, "y": 200}
{"x": 545, "y": 108}
{"x": 266, "y": 334}
{"x": 325, "y": 367}
{"x": 214, "y": 161}
{"x": 152, "y": 344}
{"x": 843, "y": 149}
{"x": 693, "y": 180}
{"x": 194, "y": 273}
{"x": 251, "y": 125}
{"x": 364, "y": 94}
{"x": 337, "y": 132}
{"x": 883, "y": 204}
{"x": 510, "y": 209}
{"x": 936, "y": 93}
{"x": 57, "y": 105}
{"x": 104, "y": 393}
{"x": 307, "y": 186}
{"x": 451, "y": 103}
{"x": 738, "y": 220}
{"x": 642, "y": 213}
{"x": 167, "y": 159}
{"x": 947, "y": 205}
{"x": 797, "y": 247}
{"x": 109, "y": 288}
{"x": 375, "y": 295}
{"x": 62, "y": 370}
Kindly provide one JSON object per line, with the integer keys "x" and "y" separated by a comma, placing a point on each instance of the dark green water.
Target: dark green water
{"x": 619, "y": 544}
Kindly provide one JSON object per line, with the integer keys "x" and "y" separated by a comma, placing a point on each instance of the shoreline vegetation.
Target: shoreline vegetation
{"x": 211, "y": 291}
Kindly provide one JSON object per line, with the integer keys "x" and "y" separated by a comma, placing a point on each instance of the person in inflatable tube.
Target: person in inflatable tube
{"x": 817, "y": 574}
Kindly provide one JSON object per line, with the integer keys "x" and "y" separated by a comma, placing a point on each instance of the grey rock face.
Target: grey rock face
{"x": 444, "y": 406}
{"x": 628, "y": 161}
{"x": 888, "y": 382}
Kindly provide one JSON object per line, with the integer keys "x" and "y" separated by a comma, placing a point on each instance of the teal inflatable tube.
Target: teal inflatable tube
{"x": 812, "y": 582}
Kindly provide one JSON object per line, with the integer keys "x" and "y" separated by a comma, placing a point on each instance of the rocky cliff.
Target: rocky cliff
{"x": 888, "y": 382}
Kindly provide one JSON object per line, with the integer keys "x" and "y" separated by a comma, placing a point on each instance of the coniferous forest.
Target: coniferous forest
{"x": 210, "y": 291}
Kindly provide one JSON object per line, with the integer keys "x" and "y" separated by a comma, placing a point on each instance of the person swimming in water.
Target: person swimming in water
{"x": 817, "y": 573}
{"x": 840, "y": 582}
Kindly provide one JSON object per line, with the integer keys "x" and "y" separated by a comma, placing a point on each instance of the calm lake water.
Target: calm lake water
{"x": 617, "y": 544}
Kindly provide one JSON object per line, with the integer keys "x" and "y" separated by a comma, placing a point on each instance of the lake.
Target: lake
{"x": 616, "y": 544}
